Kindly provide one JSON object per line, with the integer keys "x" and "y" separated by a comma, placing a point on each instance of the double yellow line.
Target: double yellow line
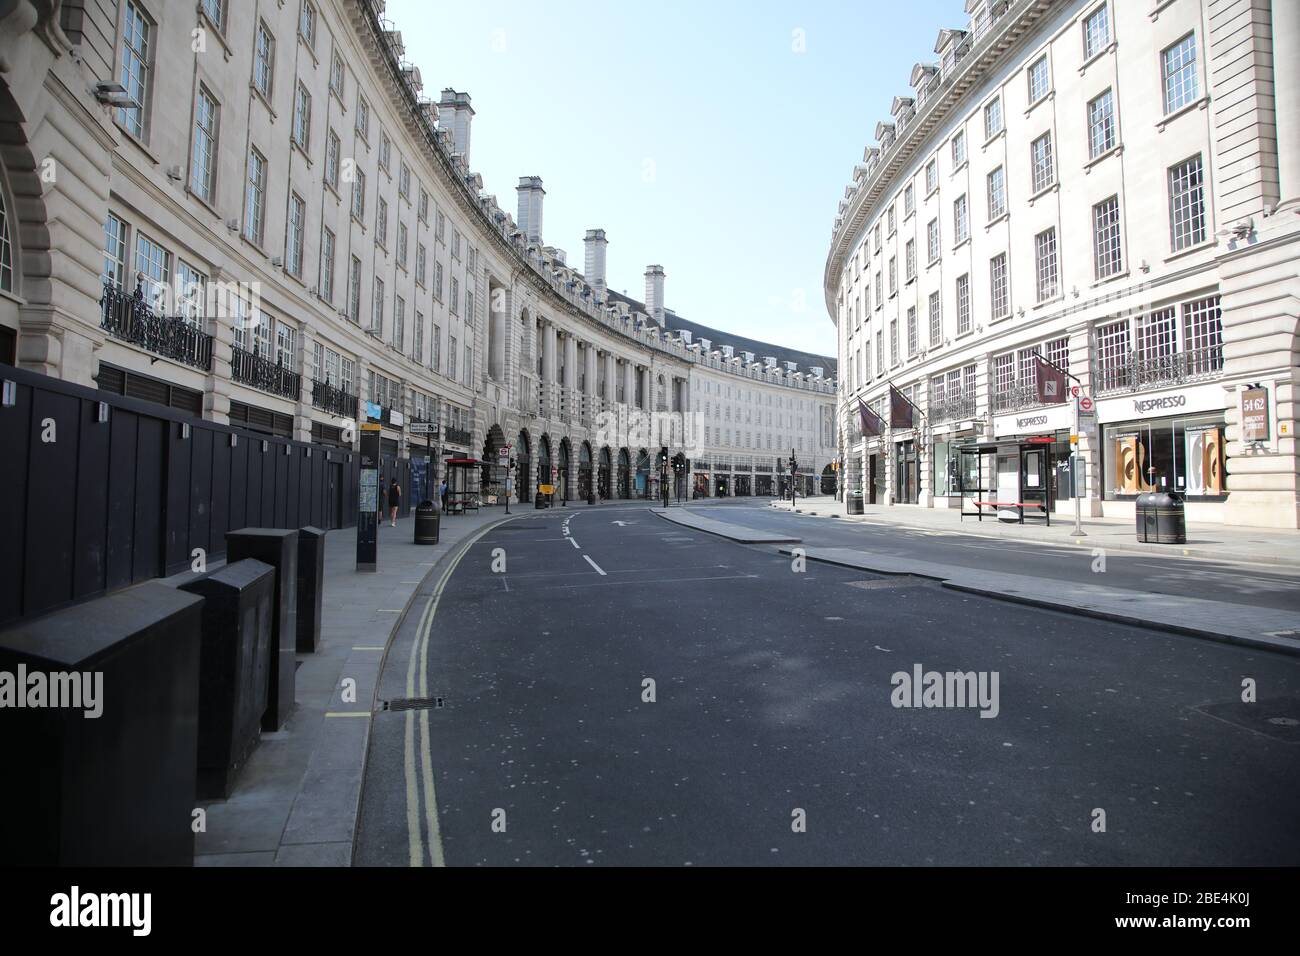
{"x": 414, "y": 783}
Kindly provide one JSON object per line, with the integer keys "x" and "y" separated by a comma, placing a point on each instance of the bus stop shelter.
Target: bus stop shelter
{"x": 1007, "y": 480}
{"x": 462, "y": 484}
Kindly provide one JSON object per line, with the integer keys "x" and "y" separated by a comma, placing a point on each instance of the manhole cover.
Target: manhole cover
{"x": 1277, "y": 718}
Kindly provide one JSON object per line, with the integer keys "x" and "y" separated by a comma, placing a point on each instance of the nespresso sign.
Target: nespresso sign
{"x": 1048, "y": 419}
{"x": 1144, "y": 406}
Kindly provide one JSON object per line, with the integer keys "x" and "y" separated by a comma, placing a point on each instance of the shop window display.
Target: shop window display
{"x": 1184, "y": 455}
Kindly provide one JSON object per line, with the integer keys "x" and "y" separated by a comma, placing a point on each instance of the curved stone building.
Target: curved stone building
{"x": 255, "y": 213}
{"x": 1106, "y": 188}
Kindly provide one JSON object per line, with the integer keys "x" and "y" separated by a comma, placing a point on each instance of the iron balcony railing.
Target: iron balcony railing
{"x": 1135, "y": 372}
{"x": 130, "y": 319}
{"x": 456, "y": 436}
{"x": 257, "y": 371}
{"x": 1019, "y": 398}
{"x": 330, "y": 398}
{"x": 954, "y": 409}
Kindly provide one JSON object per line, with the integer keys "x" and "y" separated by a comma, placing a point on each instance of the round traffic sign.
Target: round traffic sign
{"x": 1085, "y": 404}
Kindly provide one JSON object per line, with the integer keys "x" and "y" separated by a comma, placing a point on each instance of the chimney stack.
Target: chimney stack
{"x": 654, "y": 292}
{"x": 594, "y": 267}
{"x": 531, "y": 194}
{"x": 455, "y": 113}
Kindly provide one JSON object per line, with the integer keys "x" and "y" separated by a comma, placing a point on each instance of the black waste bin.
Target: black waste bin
{"x": 855, "y": 504}
{"x": 426, "y": 523}
{"x": 1161, "y": 518}
{"x": 540, "y": 501}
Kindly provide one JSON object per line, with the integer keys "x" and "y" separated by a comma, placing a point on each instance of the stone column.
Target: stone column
{"x": 1286, "y": 92}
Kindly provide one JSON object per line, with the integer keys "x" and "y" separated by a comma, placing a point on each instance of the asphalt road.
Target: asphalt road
{"x": 773, "y": 696}
{"x": 1259, "y": 585}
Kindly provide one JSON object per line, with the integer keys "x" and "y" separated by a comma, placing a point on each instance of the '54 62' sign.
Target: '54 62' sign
{"x": 1254, "y": 414}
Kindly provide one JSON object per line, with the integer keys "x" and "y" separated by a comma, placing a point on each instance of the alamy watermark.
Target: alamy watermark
{"x": 72, "y": 690}
{"x": 949, "y": 689}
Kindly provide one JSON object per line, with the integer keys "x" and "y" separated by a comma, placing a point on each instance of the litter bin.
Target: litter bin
{"x": 855, "y": 504}
{"x": 426, "y": 523}
{"x": 540, "y": 501}
{"x": 1161, "y": 518}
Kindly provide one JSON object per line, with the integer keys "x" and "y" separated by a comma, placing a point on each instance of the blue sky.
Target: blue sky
{"x": 693, "y": 133}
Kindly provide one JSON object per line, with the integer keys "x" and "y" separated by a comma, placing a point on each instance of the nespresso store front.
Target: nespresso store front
{"x": 1172, "y": 441}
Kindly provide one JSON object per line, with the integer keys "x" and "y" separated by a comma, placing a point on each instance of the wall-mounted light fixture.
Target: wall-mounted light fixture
{"x": 101, "y": 412}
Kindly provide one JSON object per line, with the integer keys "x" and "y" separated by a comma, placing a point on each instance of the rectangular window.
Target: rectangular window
{"x": 1041, "y": 163}
{"x": 114, "y": 252}
{"x": 931, "y": 176}
{"x": 293, "y": 238}
{"x": 420, "y": 264}
{"x": 1203, "y": 336}
{"x": 959, "y": 149}
{"x": 401, "y": 244}
{"x": 453, "y": 304}
{"x": 263, "y": 60}
{"x": 354, "y": 291}
{"x": 963, "y": 304}
{"x": 436, "y": 361}
{"x": 137, "y": 38}
{"x": 404, "y": 182}
{"x": 1046, "y": 264}
{"x": 424, "y": 205}
{"x": 399, "y": 323}
{"x": 381, "y": 223}
{"x": 909, "y": 200}
{"x": 936, "y": 320}
{"x": 255, "y": 198}
{"x": 451, "y": 356}
{"x": 203, "y": 170}
{"x": 1096, "y": 32}
{"x": 307, "y": 24}
{"x": 1107, "y": 248}
{"x": 417, "y": 345}
{"x": 997, "y": 193}
{"x": 960, "y": 220}
{"x": 880, "y": 352}
{"x": 377, "y": 308}
{"x": 359, "y": 194}
{"x": 880, "y": 297}
{"x": 992, "y": 118}
{"x": 215, "y": 12}
{"x": 1038, "y": 81}
{"x": 910, "y": 260}
{"x": 893, "y": 342}
{"x": 1186, "y": 204}
{"x": 1101, "y": 125}
{"x": 286, "y": 344}
{"x": 469, "y": 365}
{"x": 327, "y": 266}
{"x": 999, "y": 288}
{"x": 1178, "y": 62}
{"x": 893, "y": 220}
{"x": 363, "y": 119}
{"x": 385, "y": 151}
{"x": 333, "y": 152}
{"x": 893, "y": 275}
{"x": 337, "y": 75}
{"x": 437, "y": 281}
{"x": 302, "y": 117}
{"x": 1004, "y": 375}
{"x": 932, "y": 240}
{"x": 191, "y": 297}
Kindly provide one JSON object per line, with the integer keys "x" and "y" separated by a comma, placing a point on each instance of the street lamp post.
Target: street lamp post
{"x": 794, "y": 476}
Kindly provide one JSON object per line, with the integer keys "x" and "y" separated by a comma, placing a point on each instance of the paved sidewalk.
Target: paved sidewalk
{"x": 1204, "y": 540}
{"x": 723, "y": 529}
{"x": 295, "y": 803}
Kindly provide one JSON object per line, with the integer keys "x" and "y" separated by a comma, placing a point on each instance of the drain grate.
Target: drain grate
{"x": 414, "y": 703}
{"x": 1278, "y": 718}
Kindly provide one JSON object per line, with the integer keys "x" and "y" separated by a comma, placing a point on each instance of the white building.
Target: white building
{"x": 253, "y": 213}
{"x": 1114, "y": 186}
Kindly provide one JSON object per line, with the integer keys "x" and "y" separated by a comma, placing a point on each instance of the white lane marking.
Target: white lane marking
{"x": 594, "y": 565}
{"x": 574, "y": 542}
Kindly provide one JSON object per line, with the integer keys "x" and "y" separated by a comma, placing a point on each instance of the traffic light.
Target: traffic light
{"x": 663, "y": 457}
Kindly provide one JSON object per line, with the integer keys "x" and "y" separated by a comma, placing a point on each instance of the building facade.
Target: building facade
{"x": 253, "y": 212}
{"x": 1113, "y": 187}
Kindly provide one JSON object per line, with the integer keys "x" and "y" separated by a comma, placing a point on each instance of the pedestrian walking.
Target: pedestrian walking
{"x": 394, "y": 501}
{"x": 442, "y": 493}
